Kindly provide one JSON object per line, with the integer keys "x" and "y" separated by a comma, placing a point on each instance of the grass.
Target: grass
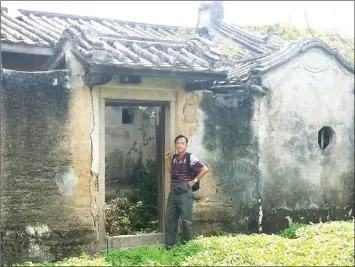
{"x": 299, "y": 245}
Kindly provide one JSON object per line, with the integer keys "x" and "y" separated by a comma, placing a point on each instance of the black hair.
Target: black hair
{"x": 180, "y": 136}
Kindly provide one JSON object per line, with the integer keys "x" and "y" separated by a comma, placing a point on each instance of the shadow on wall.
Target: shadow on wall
{"x": 38, "y": 218}
{"x": 229, "y": 136}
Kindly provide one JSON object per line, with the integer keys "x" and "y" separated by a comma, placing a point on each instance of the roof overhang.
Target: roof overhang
{"x": 26, "y": 49}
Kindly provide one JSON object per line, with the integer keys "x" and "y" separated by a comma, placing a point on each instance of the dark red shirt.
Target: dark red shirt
{"x": 179, "y": 167}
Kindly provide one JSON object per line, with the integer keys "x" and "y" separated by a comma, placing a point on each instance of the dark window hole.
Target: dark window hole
{"x": 325, "y": 137}
{"x": 127, "y": 116}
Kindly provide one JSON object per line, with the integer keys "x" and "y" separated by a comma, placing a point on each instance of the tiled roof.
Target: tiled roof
{"x": 141, "y": 52}
{"x": 44, "y": 29}
{"x": 242, "y": 71}
{"x": 116, "y": 42}
{"x": 254, "y": 42}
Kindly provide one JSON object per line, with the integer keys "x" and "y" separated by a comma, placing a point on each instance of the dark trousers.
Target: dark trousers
{"x": 179, "y": 204}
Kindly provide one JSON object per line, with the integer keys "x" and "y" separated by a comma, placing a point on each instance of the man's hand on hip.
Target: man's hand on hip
{"x": 191, "y": 183}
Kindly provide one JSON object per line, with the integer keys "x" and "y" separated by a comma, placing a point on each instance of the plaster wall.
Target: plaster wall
{"x": 300, "y": 181}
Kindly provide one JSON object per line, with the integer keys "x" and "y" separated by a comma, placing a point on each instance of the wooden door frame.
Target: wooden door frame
{"x": 134, "y": 94}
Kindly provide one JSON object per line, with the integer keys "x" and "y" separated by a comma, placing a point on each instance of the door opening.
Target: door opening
{"x": 134, "y": 158}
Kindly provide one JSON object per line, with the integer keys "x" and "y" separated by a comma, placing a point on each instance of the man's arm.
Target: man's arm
{"x": 197, "y": 165}
{"x": 168, "y": 160}
{"x": 202, "y": 173}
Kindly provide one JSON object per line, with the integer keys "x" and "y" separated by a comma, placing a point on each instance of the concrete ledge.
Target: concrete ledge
{"x": 129, "y": 241}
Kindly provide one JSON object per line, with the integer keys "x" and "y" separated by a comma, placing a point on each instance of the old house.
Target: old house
{"x": 273, "y": 121}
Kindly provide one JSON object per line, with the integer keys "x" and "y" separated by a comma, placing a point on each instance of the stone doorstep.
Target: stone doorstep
{"x": 129, "y": 241}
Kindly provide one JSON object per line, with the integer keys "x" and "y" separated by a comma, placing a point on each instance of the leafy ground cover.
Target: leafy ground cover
{"x": 299, "y": 245}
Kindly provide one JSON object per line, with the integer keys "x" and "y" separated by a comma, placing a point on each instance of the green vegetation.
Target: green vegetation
{"x": 320, "y": 244}
{"x": 289, "y": 32}
{"x": 300, "y": 245}
{"x": 154, "y": 255}
{"x": 128, "y": 217}
{"x": 83, "y": 260}
{"x": 290, "y": 232}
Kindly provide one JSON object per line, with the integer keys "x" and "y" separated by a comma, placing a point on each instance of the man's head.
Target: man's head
{"x": 180, "y": 143}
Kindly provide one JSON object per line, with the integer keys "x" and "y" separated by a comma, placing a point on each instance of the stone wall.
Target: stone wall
{"x": 45, "y": 168}
{"x": 300, "y": 181}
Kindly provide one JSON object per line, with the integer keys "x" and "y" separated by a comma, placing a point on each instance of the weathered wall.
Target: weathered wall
{"x": 126, "y": 145}
{"x": 46, "y": 160}
{"x": 301, "y": 182}
{"x": 222, "y": 131}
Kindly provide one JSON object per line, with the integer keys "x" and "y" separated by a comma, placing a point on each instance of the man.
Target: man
{"x": 180, "y": 200}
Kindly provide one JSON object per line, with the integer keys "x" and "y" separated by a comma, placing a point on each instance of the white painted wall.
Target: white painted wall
{"x": 309, "y": 92}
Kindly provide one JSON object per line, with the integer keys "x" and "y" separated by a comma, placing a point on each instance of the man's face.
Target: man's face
{"x": 180, "y": 145}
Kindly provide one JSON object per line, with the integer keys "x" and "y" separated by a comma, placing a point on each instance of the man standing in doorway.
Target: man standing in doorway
{"x": 180, "y": 200}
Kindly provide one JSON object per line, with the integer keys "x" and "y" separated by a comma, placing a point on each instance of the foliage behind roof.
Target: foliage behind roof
{"x": 244, "y": 70}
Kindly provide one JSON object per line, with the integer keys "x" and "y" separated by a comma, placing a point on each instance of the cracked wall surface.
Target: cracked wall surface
{"x": 187, "y": 123}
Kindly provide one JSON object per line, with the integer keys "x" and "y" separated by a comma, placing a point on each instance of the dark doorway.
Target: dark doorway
{"x": 134, "y": 147}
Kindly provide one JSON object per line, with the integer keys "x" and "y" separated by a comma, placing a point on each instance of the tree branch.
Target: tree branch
{"x": 345, "y": 42}
{"x": 310, "y": 30}
{"x": 294, "y": 27}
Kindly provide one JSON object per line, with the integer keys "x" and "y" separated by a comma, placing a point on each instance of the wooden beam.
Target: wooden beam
{"x": 198, "y": 85}
{"x": 209, "y": 85}
{"x": 26, "y": 49}
{"x": 187, "y": 75}
{"x": 114, "y": 102}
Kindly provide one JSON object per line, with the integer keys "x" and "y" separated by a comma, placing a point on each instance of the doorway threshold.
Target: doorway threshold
{"x": 130, "y": 241}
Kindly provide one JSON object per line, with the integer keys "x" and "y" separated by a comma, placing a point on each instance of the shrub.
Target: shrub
{"x": 124, "y": 217}
{"x": 146, "y": 191}
{"x": 290, "y": 232}
{"x": 321, "y": 244}
{"x": 223, "y": 233}
{"x": 83, "y": 260}
{"x": 315, "y": 245}
{"x": 289, "y": 32}
{"x": 154, "y": 255}
{"x": 119, "y": 216}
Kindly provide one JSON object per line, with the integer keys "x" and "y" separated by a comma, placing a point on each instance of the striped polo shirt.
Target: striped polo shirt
{"x": 179, "y": 167}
